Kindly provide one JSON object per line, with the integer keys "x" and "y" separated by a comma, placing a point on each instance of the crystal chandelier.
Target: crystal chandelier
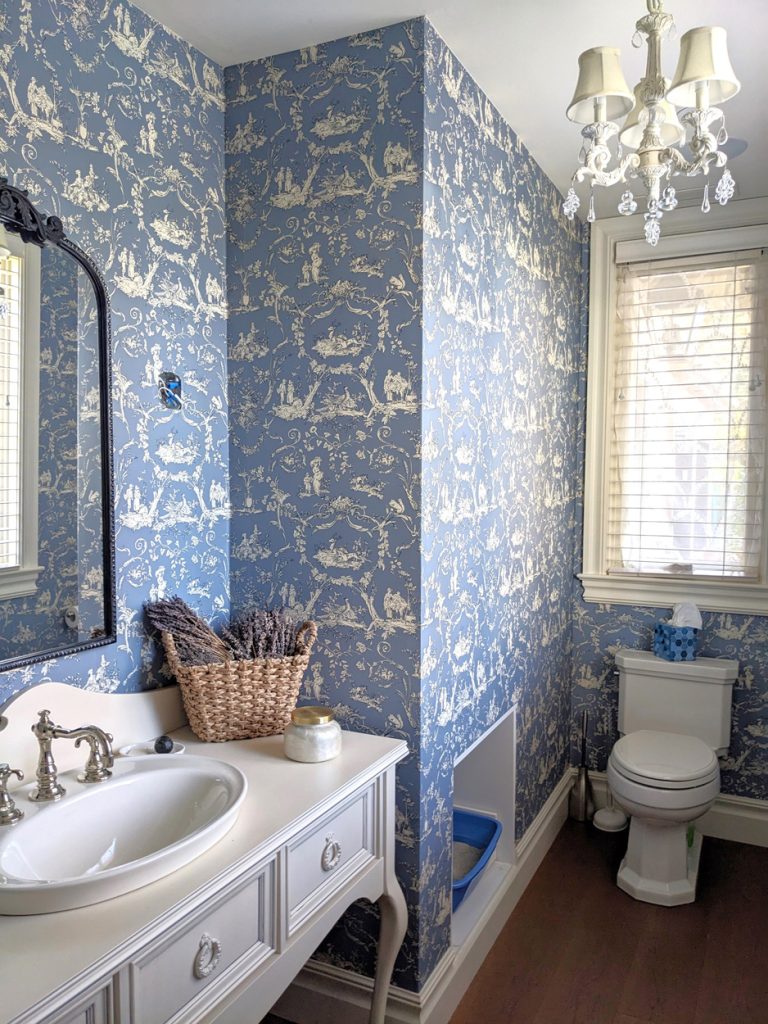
{"x": 653, "y": 131}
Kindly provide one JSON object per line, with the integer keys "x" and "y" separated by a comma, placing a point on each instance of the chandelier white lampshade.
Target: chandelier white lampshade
{"x": 600, "y": 79}
{"x": 631, "y": 135}
{"x": 654, "y": 144}
{"x": 703, "y": 60}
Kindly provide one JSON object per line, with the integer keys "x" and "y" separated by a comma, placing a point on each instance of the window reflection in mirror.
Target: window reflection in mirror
{"x": 51, "y": 522}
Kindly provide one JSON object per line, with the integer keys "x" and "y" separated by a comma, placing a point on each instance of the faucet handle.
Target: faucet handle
{"x": 44, "y": 728}
{"x": 9, "y": 812}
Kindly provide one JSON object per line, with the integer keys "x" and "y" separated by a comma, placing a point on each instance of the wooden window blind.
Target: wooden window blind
{"x": 687, "y": 444}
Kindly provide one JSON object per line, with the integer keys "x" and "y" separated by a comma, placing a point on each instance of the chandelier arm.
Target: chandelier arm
{"x": 700, "y": 165}
{"x": 599, "y": 176}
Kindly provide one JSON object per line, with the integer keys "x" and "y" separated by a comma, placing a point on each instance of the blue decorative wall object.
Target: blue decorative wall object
{"x": 117, "y": 126}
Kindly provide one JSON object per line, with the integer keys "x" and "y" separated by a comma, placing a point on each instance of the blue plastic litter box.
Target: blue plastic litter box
{"x": 480, "y": 831}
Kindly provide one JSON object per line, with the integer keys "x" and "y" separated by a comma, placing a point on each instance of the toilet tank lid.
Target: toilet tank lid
{"x": 705, "y": 670}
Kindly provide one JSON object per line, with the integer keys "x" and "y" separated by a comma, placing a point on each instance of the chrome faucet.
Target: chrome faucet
{"x": 100, "y": 757}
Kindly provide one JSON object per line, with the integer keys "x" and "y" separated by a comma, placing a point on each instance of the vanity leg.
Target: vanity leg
{"x": 394, "y": 920}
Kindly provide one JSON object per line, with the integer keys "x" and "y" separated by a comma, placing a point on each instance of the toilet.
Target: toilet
{"x": 675, "y": 721}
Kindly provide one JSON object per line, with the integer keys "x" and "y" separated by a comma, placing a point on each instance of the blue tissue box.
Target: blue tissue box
{"x": 674, "y": 643}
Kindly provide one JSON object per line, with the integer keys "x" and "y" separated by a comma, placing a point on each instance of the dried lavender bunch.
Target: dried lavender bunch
{"x": 196, "y": 643}
{"x": 262, "y": 633}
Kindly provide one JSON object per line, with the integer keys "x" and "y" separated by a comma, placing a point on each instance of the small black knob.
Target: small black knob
{"x": 163, "y": 745}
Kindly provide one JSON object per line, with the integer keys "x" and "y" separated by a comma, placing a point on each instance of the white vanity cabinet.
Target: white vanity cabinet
{"x": 177, "y": 977}
{"x": 223, "y": 937}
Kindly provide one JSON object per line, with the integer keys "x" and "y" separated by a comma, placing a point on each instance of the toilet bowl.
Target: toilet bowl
{"x": 674, "y": 722}
{"x": 665, "y": 781}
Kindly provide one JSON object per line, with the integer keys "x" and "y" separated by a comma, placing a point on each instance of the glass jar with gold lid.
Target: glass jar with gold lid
{"x": 312, "y": 735}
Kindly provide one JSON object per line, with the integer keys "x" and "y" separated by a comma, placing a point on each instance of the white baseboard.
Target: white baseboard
{"x": 736, "y": 818}
{"x": 323, "y": 994}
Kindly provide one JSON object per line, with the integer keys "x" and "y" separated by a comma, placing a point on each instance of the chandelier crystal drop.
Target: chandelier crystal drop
{"x": 660, "y": 117}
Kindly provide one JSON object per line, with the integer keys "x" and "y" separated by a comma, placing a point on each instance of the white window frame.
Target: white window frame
{"x": 21, "y": 580}
{"x": 687, "y": 232}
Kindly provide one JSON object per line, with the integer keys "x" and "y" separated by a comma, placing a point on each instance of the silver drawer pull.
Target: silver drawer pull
{"x": 331, "y": 854}
{"x": 207, "y": 957}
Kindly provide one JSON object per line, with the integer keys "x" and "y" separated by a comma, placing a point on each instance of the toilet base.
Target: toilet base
{"x": 656, "y": 886}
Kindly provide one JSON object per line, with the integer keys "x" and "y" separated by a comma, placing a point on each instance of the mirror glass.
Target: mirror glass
{"x": 56, "y": 574}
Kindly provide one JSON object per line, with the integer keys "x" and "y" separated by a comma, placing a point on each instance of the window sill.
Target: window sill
{"x": 664, "y": 592}
{"x": 18, "y": 582}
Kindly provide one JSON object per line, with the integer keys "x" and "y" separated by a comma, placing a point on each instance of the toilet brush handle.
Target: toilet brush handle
{"x": 584, "y": 723}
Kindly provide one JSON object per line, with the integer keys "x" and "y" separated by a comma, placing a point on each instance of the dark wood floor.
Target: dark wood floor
{"x": 577, "y": 950}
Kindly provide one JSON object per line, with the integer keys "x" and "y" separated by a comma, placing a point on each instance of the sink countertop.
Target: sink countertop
{"x": 50, "y": 949}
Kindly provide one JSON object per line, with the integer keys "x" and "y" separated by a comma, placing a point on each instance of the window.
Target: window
{"x": 675, "y": 503}
{"x": 19, "y": 405}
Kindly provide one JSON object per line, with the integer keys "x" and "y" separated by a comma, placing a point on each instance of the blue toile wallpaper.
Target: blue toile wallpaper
{"x": 394, "y": 400}
{"x": 501, "y": 415}
{"x": 500, "y": 418}
{"x": 324, "y": 198}
{"x": 439, "y": 604}
{"x": 117, "y": 126}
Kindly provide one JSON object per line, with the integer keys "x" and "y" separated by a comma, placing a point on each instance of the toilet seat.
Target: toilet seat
{"x": 665, "y": 760}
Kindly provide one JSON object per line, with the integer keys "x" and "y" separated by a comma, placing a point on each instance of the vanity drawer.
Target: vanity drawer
{"x": 171, "y": 979}
{"x": 327, "y": 854}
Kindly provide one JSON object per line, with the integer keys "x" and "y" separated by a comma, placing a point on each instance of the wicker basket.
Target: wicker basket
{"x": 238, "y": 700}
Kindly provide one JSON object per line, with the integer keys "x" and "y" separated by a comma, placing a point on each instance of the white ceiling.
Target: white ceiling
{"x": 523, "y": 53}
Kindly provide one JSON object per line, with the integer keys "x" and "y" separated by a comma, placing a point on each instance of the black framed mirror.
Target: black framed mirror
{"x": 57, "y": 553}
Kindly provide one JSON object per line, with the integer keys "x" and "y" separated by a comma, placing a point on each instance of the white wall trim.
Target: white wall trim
{"x": 666, "y": 591}
{"x": 741, "y": 223}
{"x": 323, "y": 994}
{"x": 739, "y": 819}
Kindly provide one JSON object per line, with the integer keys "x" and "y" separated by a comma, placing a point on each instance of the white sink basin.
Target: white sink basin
{"x": 102, "y": 840}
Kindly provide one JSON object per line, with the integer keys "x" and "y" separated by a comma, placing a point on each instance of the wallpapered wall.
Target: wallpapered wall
{"x": 502, "y": 355}
{"x": 500, "y": 417}
{"x": 117, "y": 126}
{"x": 434, "y": 620}
{"x": 599, "y": 631}
{"x": 324, "y": 196}
{"x": 341, "y": 160}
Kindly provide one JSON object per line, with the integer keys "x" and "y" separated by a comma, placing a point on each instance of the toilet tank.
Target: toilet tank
{"x": 689, "y": 697}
